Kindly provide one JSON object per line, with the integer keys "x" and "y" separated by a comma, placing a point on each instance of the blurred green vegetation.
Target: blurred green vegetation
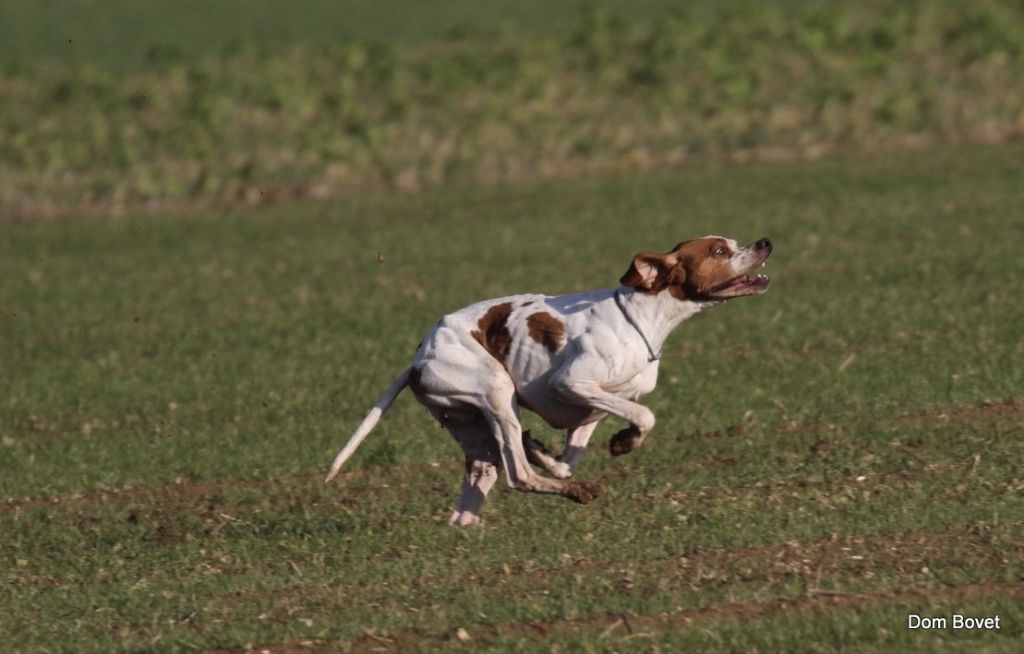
{"x": 120, "y": 33}
{"x": 252, "y": 122}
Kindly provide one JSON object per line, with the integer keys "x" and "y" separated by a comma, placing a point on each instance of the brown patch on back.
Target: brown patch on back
{"x": 546, "y": 330}
{"x": 493, "y": 331}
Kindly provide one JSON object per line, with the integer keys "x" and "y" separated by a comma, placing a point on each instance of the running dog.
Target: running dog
{"x": 571, "y": 359}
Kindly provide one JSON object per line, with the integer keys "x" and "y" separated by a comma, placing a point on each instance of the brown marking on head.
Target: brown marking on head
{"x": 708, "y": 263}
{"x": 546, "y": 330}
{"x": 688, "y": 271}
{"x": 652, "y": 273}
{"x": 493, "y": 331}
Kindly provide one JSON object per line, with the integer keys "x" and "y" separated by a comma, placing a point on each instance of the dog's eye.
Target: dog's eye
{"x": 720, "y": 251}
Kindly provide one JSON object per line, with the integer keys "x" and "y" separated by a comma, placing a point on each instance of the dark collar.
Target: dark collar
{"x": 629, "y": 319}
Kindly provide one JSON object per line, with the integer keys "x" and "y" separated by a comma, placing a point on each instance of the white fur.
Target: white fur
{"x": 602, "y": 366}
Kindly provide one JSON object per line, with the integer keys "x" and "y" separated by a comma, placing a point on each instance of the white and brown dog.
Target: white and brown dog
{"x": 571, "y": 359}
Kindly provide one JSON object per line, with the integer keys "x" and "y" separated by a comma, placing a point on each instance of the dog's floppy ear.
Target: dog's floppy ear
{"x": 650, "y": 273}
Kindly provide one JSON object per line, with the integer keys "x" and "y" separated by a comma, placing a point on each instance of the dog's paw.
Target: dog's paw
{"x": 539, "y": 455}
{"x": 463, "y": 519}
{"x": 625, "y": 441}
{"x": 560, "y": 470}
{"x": 584, "y": 491}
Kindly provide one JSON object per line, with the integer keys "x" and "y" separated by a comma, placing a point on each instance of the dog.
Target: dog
{"x": 572, "y": 359}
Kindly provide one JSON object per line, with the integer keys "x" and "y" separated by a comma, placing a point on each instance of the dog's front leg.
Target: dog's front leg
{"x": 574, "y": 386}
{"x": 640, "y": 418}
{"x": 576, "y": 444}
{"x": 539, "y": 455}
{"x": 565, "y": 464}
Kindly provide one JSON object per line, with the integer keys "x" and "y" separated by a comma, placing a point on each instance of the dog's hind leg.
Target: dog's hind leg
{"x": 500, "y": 409}
{"x": 480, "y": 479}
{"x": 468, "y": 391}
{"x": 482, "y": 463}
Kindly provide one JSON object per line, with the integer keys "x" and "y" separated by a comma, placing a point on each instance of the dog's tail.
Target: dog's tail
{"x": 369, "y": 422}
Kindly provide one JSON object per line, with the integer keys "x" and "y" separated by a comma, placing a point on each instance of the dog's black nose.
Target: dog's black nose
{"x": 764, "y": 244}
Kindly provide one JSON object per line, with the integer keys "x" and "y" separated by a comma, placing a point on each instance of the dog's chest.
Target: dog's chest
{"x": 638, "y": 385}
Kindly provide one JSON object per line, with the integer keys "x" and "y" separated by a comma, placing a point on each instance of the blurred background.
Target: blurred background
{"x": 121, "y": 105}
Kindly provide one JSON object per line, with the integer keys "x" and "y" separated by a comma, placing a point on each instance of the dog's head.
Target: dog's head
{"x": 708, "y": 269}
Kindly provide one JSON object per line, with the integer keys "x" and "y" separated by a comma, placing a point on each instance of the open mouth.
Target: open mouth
{"x": 741, "y": 285}
{"x": 747, "y": 284}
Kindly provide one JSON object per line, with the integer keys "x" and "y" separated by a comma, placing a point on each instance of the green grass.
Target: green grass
{"x": 828, "y": 457}
{"x": 121, "y": 33}
{"x": 653, "y": 89}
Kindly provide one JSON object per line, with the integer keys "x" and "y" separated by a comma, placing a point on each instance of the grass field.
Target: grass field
{"x": 829, "y": 457}
{"x": 182, "y": 120}
{"x": 119, "y": 33}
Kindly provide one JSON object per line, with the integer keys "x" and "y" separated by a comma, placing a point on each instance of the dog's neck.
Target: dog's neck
{"x": 656, "y": 315}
